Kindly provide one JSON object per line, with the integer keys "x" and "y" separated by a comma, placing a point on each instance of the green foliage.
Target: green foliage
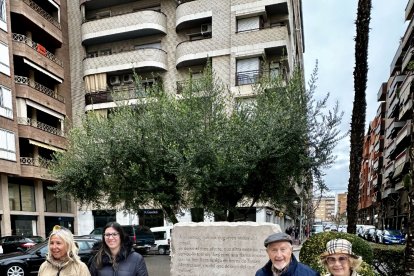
{"x": 313, "y": 247}
{"x": 203, "y": 148}
{"x": 388, "y": 259}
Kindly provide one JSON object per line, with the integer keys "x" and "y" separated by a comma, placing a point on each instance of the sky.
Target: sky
{"x": 329, "y": 31}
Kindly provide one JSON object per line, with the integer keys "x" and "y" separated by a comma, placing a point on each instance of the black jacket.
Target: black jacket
{"x": 128, "y": 264}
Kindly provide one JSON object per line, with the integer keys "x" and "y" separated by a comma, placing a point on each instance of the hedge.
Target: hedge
{"x": 388, "y": 259}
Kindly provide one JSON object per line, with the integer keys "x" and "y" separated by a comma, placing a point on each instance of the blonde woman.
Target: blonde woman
{"x": 62, "y": 258}
{"x": 339, "y": 260}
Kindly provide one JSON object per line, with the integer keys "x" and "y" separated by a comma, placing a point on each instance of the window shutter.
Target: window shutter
{"x": 246, "y": 24}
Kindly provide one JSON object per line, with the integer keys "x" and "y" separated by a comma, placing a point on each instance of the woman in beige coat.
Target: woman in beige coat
{"x": 339, "y": 260}
{"x": 62, "y": 258}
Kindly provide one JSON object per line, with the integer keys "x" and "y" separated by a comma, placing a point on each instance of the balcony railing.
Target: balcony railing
{"x": 37, "y": 86}
{"x": 37, "y": 47}
{"x": 39, "y": 125}
{"x": 118, "y": 94}
{"x": 36, "y": 162}
{"x": 43, "y": 13}
{"x": 254, "y": 76}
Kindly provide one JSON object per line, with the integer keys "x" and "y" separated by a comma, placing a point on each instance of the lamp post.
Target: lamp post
{"x": 300, "y": 217}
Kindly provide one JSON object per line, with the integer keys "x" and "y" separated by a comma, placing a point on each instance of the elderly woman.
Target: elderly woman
{"x": 339, "y": 260}
{"x": 62, "y": 258}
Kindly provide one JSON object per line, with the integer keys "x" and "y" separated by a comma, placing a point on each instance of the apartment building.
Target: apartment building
{"x": 325, "y": 208}
{"x": 341, "y": 200}
{"x": 169, "y": 42}
{"x": 396, "y": 94}
{"x": 35, "y": 104}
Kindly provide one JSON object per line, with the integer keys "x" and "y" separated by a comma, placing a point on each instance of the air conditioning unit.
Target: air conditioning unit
{"x": 114, "y": 80}
{"x": 128, "y": 78}
{"x": 205, "y": 28}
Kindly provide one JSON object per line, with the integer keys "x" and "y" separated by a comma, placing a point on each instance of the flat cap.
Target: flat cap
{"x": 277, "y": 237}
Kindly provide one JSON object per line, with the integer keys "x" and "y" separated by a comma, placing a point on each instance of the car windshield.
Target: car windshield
{"x": 36, "y": 247}
{"x": 394, "y": 232}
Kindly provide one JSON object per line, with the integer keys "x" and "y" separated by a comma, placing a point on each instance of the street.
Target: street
{"x": 158, "y": 265}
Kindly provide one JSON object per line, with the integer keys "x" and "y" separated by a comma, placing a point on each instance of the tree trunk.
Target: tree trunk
{"x": 359, "y": 109}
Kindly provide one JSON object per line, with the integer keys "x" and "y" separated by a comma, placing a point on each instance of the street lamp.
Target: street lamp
{"x": 300, "y": 217}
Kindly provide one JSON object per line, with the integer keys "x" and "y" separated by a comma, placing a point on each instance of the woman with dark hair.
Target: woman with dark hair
{"x": 116, "y": 256}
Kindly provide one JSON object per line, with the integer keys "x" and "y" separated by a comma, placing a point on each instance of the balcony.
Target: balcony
{"x": 390, "y": 148}
{"x": 382, "y": 92}
{"x": 39, "y": 93}
{"x": 151, "y": 59}
{"x": 124, "y": 26}
{"x": 118, "y": 94}
{"x": 36, "y": 15}
{"x": 275, "y": 35}
{"x": 405, "y": 110}
{"x": 406, "y": 89}
{"x": 36, "y": 53}
{"x": 404, "y": 133}
{"x": 407, "y": 58}
{"x": 395, "y": 83}
{"x": 192, "y": 11}
{"x": 409, "y": 10}
{"x": 39, "y": 125}
{"x": 393, "y": 127}
{"x": 393, "y": 106}
{"x": 35, "y": 167}
{"x": 389, "y": 169}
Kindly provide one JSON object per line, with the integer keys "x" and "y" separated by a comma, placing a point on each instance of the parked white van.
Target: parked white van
{"x": 162, "y": 237}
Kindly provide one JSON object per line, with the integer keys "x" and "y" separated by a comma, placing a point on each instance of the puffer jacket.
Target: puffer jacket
{"x": 69, "y": 268}
{"x": 294, "y": 269}
{"x": 129, "y": 264}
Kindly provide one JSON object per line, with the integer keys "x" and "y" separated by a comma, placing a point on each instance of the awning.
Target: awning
{"x": 46, "y": 146}
{"x": 398, "y": 170}
{"x": 28, "y": 62}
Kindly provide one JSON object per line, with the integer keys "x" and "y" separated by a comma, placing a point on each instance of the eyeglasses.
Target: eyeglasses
{"x": 113, "y": 235}
{"x": 332, "y": 260}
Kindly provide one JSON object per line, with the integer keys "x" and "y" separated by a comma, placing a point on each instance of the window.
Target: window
{"x": 22, "y": 197}
{"x": 4, "y": 59}
{"x": 248, "y": 24}
{"x": 105, "y": 52}
{"x": 156, "y": 45}
{"x": 6, "y": 107}
{"x": 92, "y": 54}
{"x": 54, "y": 203}
{"x": 7, "y": 145}
{"x": 247, "y": 71}
{"x": 3, "y": 18}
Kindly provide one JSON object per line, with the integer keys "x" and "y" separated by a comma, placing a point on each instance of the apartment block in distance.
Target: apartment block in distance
{"x": 170, "y": 42}
{"x": 325, "y": 208}
{"x": 35, "y": 104}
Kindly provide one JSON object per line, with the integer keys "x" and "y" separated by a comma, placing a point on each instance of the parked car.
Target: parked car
{"x": 162, "y": 237}
{"x": 141, "y": 237}
{"x": 390, "y": 236}
{"x": 28, "y": 262}
{"x": 316, "y": 228}
{"x": 376, "y": 236}
{"x": 17, "y": 243}
{"x": 343, "y": 228}
{"x": 368, "y": 234}
{"x": 362, "y": 228}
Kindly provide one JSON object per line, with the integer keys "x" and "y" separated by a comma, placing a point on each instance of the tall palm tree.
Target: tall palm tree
{"x": 359, "y": 109}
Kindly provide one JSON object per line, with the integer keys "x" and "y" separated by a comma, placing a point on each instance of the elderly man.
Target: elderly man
{"x": 282, "y": 261}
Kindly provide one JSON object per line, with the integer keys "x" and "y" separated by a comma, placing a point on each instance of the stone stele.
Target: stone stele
{"x": 219, "y": 248}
